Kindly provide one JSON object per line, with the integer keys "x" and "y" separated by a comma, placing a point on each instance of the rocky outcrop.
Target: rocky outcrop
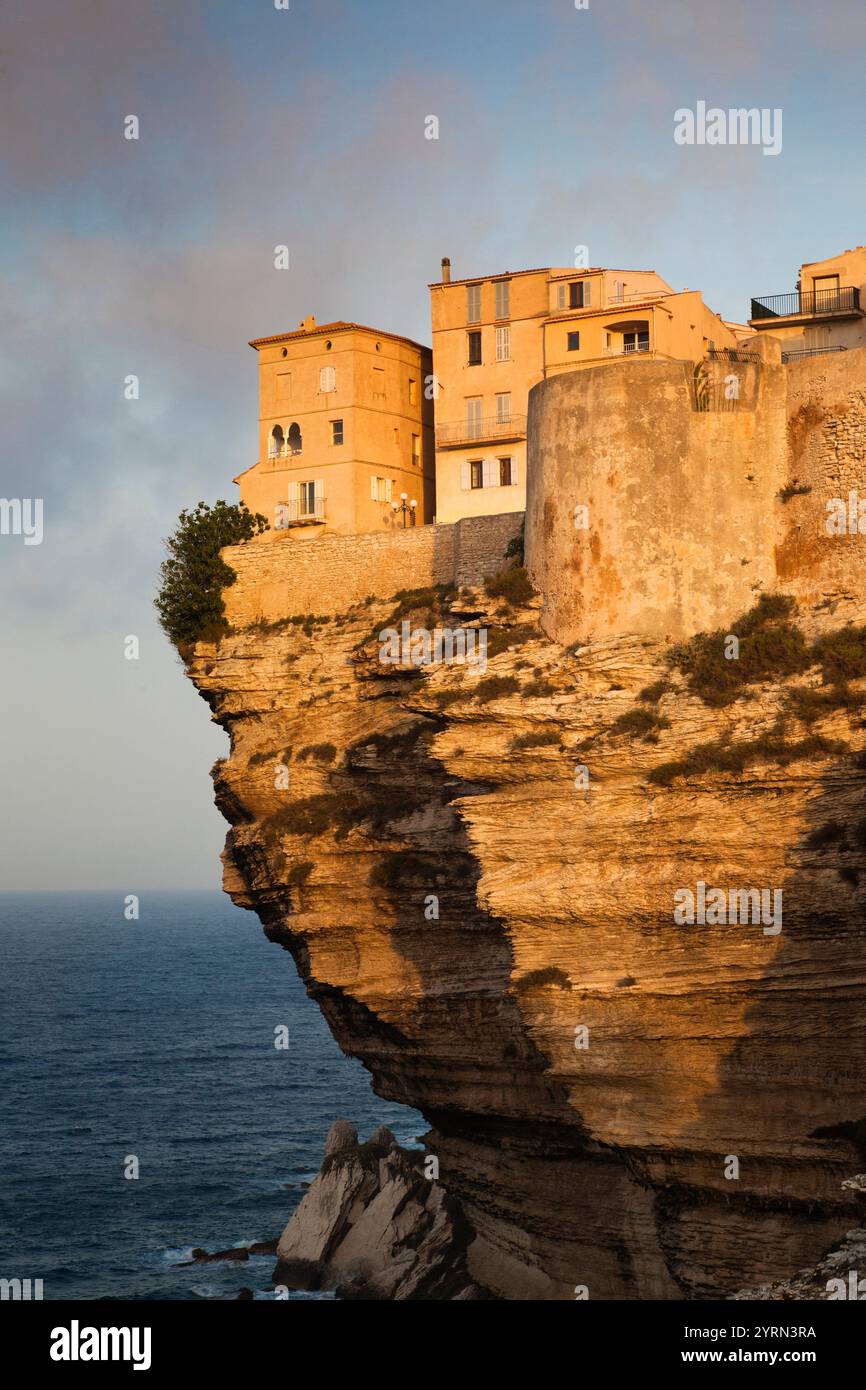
{"x": 373, "y": 1225}
{"x": 476, "y": 877}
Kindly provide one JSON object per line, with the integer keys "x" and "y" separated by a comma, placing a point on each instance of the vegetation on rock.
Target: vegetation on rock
{"x": 193, "y": 575}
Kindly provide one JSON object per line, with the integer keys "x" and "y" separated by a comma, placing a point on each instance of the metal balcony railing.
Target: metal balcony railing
{"x": 295, "y": 513}
{"x": 807, "y": 303}
{"x": 480, "y": 431}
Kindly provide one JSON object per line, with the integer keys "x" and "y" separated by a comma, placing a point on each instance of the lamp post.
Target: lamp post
{"x": 406, "y": 510}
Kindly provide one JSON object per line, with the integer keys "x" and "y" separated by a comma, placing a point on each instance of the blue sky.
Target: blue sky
{"x": 155, "y": 257}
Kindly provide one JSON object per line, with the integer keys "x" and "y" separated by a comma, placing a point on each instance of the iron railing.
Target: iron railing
{"x": 295, "y": 512}
{"x": 480, "y": 431}
{"x": 794, "y": 353}
{"x": 807, "y": 303}
{"x": 732, "y": 355}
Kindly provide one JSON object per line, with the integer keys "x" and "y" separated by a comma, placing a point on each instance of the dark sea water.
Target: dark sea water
{"x": 155, "y": 1039}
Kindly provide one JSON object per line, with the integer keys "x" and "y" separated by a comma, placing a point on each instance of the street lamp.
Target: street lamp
{"x": 404, "y": 509}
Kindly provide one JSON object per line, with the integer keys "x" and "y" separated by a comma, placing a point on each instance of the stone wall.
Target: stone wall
{"x": 692, "y": 513}
{"x": 280, "y": 577}
{"x": 680, "y": 527}
{"x": 827, "y": 454}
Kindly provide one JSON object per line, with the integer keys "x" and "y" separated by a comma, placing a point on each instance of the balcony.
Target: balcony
{"x": 802, "y": 305}
{"x": 297, "y": 513}
{"x": 488, "y": 431}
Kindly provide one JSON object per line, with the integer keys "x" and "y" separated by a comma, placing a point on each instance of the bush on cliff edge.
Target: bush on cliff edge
{"x": 192, "y": 577}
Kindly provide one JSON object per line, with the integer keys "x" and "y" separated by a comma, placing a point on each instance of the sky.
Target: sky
{"x": 154, "y": 257}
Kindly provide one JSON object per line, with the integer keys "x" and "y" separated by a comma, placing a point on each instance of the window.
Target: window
{"x": 294, "y": 441}
{"x": 413, "y": 391}
{"x": 327, "y": 379}
{"x": 574, "y": 342}
{"x": 284, "y": 386}
{"x": 618, "y": 291}
{"x": 474, "y": 349}
{"x": 636, "y": 342}
{"x": 503, "y": 408}
{"x": 476, "y": 473}
{"x": 379, "y": 383}
{"x": 416, "y": 449}
{"x": 380, "y": 489}
{"x": 473, "y": 303}
{"x": 507, "y": 472}
{"x": 336, "y": 431}
{"x": 276, "y": 443}
{"x": 503, "y": 344}
{"x": 502, "y": 290}
{"x": 473, "y": 417}
{"x": 307, "y": 499}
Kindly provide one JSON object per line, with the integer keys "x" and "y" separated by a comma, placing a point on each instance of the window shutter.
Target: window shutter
{"x": 587, "y": 293}
{"x": 320, "y": 489}
{"x": 465, "y": 477}
{"x": 560, "y": 297}
{"x": 488, "y": 473}
{"x": 388, "y": 486}
{"x": 374, "y": 496}
{"x": 514, "y": 477}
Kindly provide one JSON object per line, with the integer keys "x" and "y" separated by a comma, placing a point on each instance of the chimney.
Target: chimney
{"x": 446, "y": 270}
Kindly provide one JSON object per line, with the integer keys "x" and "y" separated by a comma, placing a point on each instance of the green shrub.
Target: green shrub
{"x": 793, "y": 489}
{"x": 499, "y": 639}
{"x": 444, "y": 698}
{"x": 721, "y": 756}
{"x": 193, "y": 576}
{"x": 537, "y": 689}
{"x": 543, "y": 738}
{"x": 809, "y": 705}
{"x": 651, "y": 694}
{"x": 493, "y": 686}
{"x": 315, "y": 815}
{"x": 770, "y": 648}
{"x": 639, "y": 721}
{"x": 536, "y": 979}
{"x": 841, "y": 654}
{"x": 511, "y": 584}
{"x": 321, "y": 752}
{"x": 299, "y": 873}
{"x": 831, "y": 833}
{"x": 516, "y": 546}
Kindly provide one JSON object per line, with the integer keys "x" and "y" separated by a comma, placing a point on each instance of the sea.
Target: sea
{"x": 145, "y": 1106}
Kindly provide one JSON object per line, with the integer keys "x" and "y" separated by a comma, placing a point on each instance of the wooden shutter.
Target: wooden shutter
{"x": 374, "y": 495}
{"x": 514, "y": 477}
{"x": 587, "y": 293}
{"x": 465, "y": 477}
{"x": 488, "y": 473}
{"x": 561, "y": 297}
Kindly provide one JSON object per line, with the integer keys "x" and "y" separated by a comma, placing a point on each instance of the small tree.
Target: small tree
{"x": 189, "y": 602}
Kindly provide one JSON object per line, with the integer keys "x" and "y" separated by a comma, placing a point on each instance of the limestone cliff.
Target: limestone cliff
{"x": 494, "y": 936}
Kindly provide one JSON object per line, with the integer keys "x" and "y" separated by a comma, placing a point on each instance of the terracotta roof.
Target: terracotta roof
{"x": 496, "y": 275}
{"x": 564, "y": 272}
{"x": 338, "y": 326}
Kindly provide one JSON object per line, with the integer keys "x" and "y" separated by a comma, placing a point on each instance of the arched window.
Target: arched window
{"x": 275, "y": 444}
{"x": 295, "y": 443}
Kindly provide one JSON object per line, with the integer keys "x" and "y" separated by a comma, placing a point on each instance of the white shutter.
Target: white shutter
{"x": 488, "y": 473}
{"x": 587, "y": 293}
{"x": 388, "y": 486}
{"x": 514, "y": 477}
{"x": 560, "y": 297}
{"x": 320, "y": 488}
{"x": 374, "y": 496}
{"x": 503, "y": 344}
{"x": 465, "y": 477}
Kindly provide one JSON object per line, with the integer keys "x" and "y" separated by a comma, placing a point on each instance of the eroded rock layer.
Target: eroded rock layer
{"x": 494, "y": 936}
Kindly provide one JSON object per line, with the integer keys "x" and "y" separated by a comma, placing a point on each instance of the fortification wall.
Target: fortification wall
{"x": 826, "y": 453}
{"x": 281, "y": 576}
{"x": 680, "y": 526}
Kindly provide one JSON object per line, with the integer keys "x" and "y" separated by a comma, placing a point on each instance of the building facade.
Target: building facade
{"x": 345, "y": 430}
{"x": 495, "y": 338}
{"x": 825, "y": 313}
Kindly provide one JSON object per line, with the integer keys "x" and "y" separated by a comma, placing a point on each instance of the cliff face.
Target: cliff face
{"x": 494, "y": 937}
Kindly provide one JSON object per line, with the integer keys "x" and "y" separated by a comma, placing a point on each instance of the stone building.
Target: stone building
{"x": 825, "y": 313}
{"x": 495, "y": 338}
{"x": 345, "y": 431}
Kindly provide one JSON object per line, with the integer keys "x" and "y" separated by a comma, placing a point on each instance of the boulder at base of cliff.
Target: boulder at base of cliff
{"x": 372, "y": 1226}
